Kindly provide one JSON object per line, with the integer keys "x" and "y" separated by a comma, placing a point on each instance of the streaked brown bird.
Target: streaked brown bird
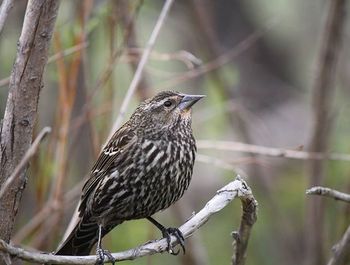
{"x": 144, "y": 168}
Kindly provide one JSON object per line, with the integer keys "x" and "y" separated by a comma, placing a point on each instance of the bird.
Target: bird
{"x": 144, "y": 168}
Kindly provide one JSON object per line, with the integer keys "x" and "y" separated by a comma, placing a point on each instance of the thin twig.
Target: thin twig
{"x": 69, "y": 197}
{"x": 241, "y": 237}
{"x": 269, "y": 151}
{"x": 27, "y": 156}
{"x": 127, "y": 21}
{"x": 69, "y": 51}
{"x": 106, "y": 73}
{"x": 219, "y": 61}
{"x": 340, "y": 249}
{"x": 186, "y": 57}
{"x": 76, "y": 48}
{"x": 237, "y": 188}
{"x": 5, "y": 9}
{"x": 323, "y": 191}
{"x": 138, "y": 74}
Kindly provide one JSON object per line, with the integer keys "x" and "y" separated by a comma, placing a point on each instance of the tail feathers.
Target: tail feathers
{"x": 81, "y": 240}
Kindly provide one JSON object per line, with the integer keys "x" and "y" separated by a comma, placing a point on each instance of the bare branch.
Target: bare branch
{"x": 68, "y": 51}
{"x": 337, "y": 195}
{"x": 5, "y": 8}
{"x": 27, "y": 156}
{"x": 340, "y": 249}
{"x": 237, "y": 188}
{"x": 241, "y": 237}
{"x": 189, "y": 59}
{"x": 269, "y": 151}
{"x": 138, "y": 74}
{"x": 127, "y": 20}
{"x": 22, "y": 103}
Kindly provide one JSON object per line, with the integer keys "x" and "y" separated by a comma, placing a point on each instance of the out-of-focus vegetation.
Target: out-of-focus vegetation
{"x": 261, "y": 96}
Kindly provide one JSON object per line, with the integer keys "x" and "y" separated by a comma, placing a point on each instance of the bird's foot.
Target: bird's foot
{"x": 167, "y": 233}
{"x": 100, "y": 256}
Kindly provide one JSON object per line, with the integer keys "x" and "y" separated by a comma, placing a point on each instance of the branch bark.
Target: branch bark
{"x": 236, "y": 189}
{"x": 340, "y": 249}
{"x": 337, "y": 195}
{"x": 5, "y": 9}
{"x": 323, "y": 94}
{"x": 22, "y": 103}
{"x": 241, "y": 237}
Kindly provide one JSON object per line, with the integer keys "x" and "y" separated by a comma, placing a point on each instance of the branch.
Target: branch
{"x": 337, "y": 195}
{"x": 76, "y": 48}
{"x": 21, "y": 110}
{"x": 5, "y": 8}
{"x": 237, "y": 188}
{"x": 323, "y": 93}
{"x": 340, "y": 249}
{"x": 270, "y": 151}
{"x": 189, "y": 59}
{"x": 241, "y": 237}
{"x": 27, "y": 156}
{"x": 138, "y": 73}
{"x": 127, "y": 21}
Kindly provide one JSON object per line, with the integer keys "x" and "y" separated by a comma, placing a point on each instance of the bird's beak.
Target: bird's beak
{"x": 188, "y": 101}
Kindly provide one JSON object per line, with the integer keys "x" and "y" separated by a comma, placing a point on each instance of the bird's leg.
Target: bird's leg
{"x": 167, "y": 233}
{"x": 100, "y": 252}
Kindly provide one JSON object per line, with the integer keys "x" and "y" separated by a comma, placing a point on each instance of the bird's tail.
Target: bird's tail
{"x": 81, "y": 240}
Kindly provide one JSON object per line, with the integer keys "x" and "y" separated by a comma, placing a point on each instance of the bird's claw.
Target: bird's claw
{"x": 101, "y": 253}
{"x": 167, "y": 233}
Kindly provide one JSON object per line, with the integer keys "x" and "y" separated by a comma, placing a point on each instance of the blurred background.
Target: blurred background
{"x": 255, "y": 61}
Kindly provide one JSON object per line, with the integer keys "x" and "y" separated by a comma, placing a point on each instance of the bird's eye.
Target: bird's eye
{"x": 167, "y": 103}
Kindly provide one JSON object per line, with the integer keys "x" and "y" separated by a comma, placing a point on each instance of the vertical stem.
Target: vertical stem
{"x": 5, "y": 9}
{"x": 22, "y": 103}
{"x": 127, "y": 21}
{"x": 138, "y": 73}
{"x": 323, "y": 93}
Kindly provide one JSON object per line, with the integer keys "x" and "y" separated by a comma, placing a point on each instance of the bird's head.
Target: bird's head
{"x": 167, "y": 108}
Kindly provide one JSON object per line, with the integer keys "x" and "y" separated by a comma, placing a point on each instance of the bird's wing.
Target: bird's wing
{"x": 120, "y": 141}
